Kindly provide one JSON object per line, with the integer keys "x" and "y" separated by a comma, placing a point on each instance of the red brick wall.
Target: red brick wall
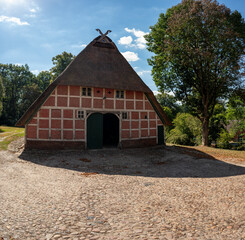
{"x": 57, "y": 119}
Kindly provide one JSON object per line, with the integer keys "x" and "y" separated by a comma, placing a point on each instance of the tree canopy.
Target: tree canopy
{"x": 60, "y": 63}
{"x": 22, "y": 87}
{"x": 43, "y": 80}
{"x": 236, "y": 114}
{"x": 2, "y": 93}
{"x": 14, "y": 79}
{"x": 199, "y": 51}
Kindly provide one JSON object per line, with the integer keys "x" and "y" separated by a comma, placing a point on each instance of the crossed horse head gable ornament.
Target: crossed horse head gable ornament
{"x": 103, "y": 36}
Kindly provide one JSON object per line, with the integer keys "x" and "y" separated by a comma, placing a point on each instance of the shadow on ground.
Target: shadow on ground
{"x": 148, "y": 162}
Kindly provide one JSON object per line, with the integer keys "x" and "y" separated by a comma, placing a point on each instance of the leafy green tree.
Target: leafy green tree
{"x": 29, "y": 94}
{"x": 60, "y": 63}
{"x": 223, "y": 141}
{"x": 235, "y": 114}
{"x": 43, "y": 80}
{"x": 1, "y": 95}
{"x": 186, "y": 131}
{"x": 217, "y": 122}
{"x": 14, "y": 79}
{"x": 199, "y": 47}
{"x": 169, "y": 113}
{"x": 167, "y": 100}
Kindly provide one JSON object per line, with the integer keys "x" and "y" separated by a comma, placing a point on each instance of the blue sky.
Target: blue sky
{"x": 34, "y": 31}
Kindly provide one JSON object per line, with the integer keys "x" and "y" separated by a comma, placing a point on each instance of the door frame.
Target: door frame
{"x": 87, "y": 113}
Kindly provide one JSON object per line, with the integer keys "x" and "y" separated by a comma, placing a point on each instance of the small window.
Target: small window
{"x": 124, "y": 115}
{"x": 89, "y": 92}
{"x": 80, "y": 114}
{"x": 86, "y": 92}
{"x": 119, "y": 94}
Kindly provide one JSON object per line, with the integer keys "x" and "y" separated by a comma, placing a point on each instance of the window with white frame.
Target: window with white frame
{"x": 119, "y": 94}
{"x": 80, "y": 114}
{"x": 86, "y": 91}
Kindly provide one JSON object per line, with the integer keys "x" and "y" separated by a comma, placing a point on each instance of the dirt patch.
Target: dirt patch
{"x": 212, "y": 153}
{"x": 17, "y": 146}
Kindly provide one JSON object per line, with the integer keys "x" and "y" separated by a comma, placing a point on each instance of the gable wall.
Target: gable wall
{"x": 57, "y": 118}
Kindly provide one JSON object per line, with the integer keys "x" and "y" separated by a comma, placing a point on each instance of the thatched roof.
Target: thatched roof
{"x": 98, "y": 65}
{"x": 102, "y": 65}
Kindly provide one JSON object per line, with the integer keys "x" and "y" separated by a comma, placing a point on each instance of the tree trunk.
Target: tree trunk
{"x": 205, "y": 124}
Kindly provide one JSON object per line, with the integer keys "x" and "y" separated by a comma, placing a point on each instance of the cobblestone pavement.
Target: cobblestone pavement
{"x": 154, "y": 193}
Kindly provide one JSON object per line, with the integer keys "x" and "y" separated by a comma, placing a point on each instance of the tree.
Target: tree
{"x": 29, "y": 94}
{"x": 186, "y": 130}
{"x": 43, "y": 80}
{"x": 217, "y": 122}
{"x": 14, "y": 79}
{"x": 199, "y": 49}
{"x": 1, "y": 94}
{"x": 235, "y": 113}
{"x": 169, "y": 101}
{"x": 60, "y": 62}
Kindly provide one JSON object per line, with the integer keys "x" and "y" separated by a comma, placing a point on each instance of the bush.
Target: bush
{"x": 187, "y": 130}
{"x": 224, "y": 140}
{"x": 240, "y": 147}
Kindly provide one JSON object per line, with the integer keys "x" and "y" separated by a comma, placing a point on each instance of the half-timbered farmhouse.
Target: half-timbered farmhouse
{"x": 98, "y": 101}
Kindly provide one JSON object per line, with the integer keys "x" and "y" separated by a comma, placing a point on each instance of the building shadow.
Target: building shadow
{"x": 159, "y": 162}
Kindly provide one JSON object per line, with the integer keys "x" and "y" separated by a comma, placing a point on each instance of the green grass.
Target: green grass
{"x": 9, "y": 134}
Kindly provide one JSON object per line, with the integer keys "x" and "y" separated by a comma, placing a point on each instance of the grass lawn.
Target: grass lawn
{"x": 9, "y": 134}
{"x": 210, "y": 152}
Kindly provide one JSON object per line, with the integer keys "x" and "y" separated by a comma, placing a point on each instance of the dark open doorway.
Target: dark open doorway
{"x": 102, "y": 130}
{"x": 110, "y": 130}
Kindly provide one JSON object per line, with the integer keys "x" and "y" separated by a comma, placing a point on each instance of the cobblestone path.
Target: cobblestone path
{"x": 147, "y": 194}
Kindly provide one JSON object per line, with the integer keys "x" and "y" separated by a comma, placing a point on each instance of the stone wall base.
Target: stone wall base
{"x": 139, "y": 143}
{"x": 33, "y": 144}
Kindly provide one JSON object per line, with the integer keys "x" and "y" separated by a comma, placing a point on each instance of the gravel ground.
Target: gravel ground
{"x": 154, "y": 193}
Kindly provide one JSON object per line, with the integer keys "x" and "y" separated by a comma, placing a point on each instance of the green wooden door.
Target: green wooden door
{"x": 95, "y": 131}
{"x": 160, "y": 131}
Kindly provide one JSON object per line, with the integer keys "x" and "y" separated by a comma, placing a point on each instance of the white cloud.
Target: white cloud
{"x": 13, "y": 20}
{"x": 130, "y": 56}
{"x": 79, "y": 46}
{"x": 36, "y": 72}
{"x": 137, "y": 33}
{"x": 33, "y": 10}
{"x": 19, "y": 64}
{"x": 169, "y": 93}
{"x": 156, "y": 92}
{"x": 140, "y": 41}
{"x": 125, "y": 40}
{"x": 141, "y": 73}
{"x": 7, "y": 4}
